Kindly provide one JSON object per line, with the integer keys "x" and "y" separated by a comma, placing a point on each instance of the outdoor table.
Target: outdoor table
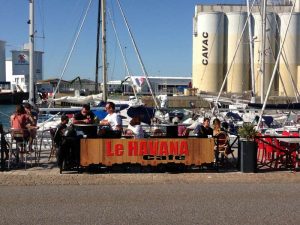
{"x": 285, "y": 150}
{"x": 292, "y": 146}
{"x": 90, "y": 130}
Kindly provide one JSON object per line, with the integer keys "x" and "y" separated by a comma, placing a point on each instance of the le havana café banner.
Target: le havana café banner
{"x": 146, "y": 151}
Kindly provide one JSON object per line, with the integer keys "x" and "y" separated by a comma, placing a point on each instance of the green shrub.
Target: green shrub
{"x": 247, "y": 131}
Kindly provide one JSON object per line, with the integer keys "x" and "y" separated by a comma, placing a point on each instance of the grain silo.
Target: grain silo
{"x": 238, "y": 77}
{"x": 2, "y": 61}
{"x": 289, "y": 59}
{"x": 208, "y": 54}
{"x": 269, "y": 52}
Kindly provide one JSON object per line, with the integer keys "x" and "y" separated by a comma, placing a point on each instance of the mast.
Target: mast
{"x": 262, "y": 52}
{"x": 251, "y": 54}
{"x": 31, "y": 52}
{"x": 97, "y": 48}
{"x": 104, "y": 64}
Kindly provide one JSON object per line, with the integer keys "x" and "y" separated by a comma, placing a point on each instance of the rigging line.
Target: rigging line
{"x": 74, "y": 44}
{"x": 289, "y": 72}
{"x": 280, "y": 78}
{"x": 122, "y": 52}
{"x": 139, "y": 56}
{"x": 4, "y": 114}
{"x": 276, "y": 65}
{"x": 42, "y": 18}
{"x": 284, "y": 57}
{"x": 236, "y": 49}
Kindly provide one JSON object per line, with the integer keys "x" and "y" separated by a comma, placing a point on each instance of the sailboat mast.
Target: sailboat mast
{"x": 31, "y": 52}
{"x": 251, "y": 53}
{"x": 104, "y": 64}
{"x": 263, "y": 43}
{"x": 97, "y": 47}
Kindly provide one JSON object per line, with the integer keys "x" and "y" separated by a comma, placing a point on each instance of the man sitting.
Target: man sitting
{"x": 204, "y": 130}
{"x": 112, "y": 122}
{"x": 85, "y": 116}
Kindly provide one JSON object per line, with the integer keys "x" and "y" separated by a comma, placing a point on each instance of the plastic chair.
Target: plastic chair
{"x": 260, "y": 149}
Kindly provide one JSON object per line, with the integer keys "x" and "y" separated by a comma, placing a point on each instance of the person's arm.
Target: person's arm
{"x": 104, "y": 122}
{"x": 119, "y": 123}
{"x": 78, "y": 120}
{"x": 11, "y": 120}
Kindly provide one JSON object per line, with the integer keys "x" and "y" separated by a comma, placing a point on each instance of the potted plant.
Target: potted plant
{"x": 247, "y": 152}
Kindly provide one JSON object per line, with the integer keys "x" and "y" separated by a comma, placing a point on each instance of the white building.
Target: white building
{"x": 160, "y": 85}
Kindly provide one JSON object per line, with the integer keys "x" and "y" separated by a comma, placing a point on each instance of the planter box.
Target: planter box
{"x": 248, "y": 156}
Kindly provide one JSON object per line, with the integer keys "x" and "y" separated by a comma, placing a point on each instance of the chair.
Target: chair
{"x": 19, "y": 139}
{"x": 222, "y": 147}
{"x": 260, "y": 149}
{"x": 53, "y": 149}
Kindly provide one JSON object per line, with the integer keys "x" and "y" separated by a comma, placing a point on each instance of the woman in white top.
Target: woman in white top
{"x": 136, "y": 128}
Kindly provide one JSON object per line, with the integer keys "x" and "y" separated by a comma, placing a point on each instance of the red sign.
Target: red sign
{"x": 145, "y": 148}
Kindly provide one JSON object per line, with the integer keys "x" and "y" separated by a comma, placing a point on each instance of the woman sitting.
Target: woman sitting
{"x": 221, "y": 140}
{"x": 134, "y": 128}
{"x": 19, "y": 122}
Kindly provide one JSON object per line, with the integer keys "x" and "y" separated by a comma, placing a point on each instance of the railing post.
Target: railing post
{"x": 2, "y": 147}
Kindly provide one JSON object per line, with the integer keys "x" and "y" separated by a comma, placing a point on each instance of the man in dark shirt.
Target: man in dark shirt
{"x": 205, "y": 130}
{"x": 85, "y": 116}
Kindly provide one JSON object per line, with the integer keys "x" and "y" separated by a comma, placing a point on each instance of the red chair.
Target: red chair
{"x": 269, "y": 149}
{"x": 285, "y": 133}
{"x": 260, "y": 149}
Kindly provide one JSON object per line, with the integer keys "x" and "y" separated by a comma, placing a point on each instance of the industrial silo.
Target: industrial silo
{"x": 269, "y": 51}
{"x": 238, "y": 77}
{"x": 289, "y": 59}
{"x": 208, "y": 51}
{"x": 2, "y": 61}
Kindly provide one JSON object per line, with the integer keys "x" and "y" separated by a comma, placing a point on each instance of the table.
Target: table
{"x": 90, "y": 130}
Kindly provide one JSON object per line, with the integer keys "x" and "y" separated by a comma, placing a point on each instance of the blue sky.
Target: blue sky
{"x": 161, "y": 28}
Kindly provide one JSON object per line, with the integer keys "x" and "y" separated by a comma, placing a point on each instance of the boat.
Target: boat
{"x": 9, "y": 96}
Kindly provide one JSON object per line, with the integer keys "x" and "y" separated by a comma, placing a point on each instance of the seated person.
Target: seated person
{"x": 217, "y": 126}
{"x": 4, "y": 145}
{"x": 222, "y": 140}
{"x": 19, "y": 122}
{"x": 135, "y": 127}
{"x": 32, "y": 120}
{"x": 112, "y": 122}
{"x": 204, "y": 130}
{"x": 60, "y": 129}
{"x": 85, "y": 116}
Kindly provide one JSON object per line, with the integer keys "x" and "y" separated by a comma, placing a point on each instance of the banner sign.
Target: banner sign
{"x": 20, "y": 63}
{"x": 150, "y": 151}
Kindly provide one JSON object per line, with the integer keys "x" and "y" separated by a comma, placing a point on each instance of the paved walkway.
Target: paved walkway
{"x": 47, "y": 173}
{"x": 41, "y": 176}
